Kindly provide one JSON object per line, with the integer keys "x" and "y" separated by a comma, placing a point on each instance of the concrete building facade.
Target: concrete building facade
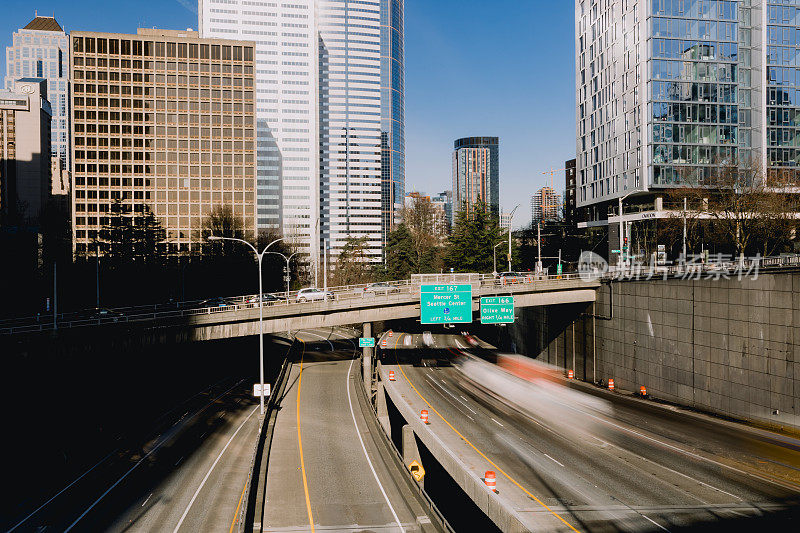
{"x": 476, "y": 174}
{"x": 25, "y": 120}
{"x": 165, "y": 120}
{"x": 41, "y": 50}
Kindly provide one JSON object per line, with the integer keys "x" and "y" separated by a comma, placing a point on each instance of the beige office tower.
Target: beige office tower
{"x": 161, "y": 119}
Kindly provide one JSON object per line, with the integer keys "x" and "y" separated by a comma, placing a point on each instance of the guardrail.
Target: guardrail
{"x": 387, "y": 292}
{"x": 748, "y": 266}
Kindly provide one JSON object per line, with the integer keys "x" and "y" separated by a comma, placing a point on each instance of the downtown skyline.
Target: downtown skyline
{"x": 434, "y": 104}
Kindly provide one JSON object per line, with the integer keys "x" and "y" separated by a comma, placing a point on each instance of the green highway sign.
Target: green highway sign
{"x": 445, "y": 304}
{"x": 615, "y": 251}
{"x": 559, "y": 270}
{"x": 366, "y": 342}
{"x": 497, "y": 310}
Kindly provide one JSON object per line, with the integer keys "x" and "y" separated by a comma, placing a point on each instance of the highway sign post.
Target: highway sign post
{"x": 257, "y": 390}
{"x": 445, "y": 304}
{"x": 366, "y": 342}
{"x": 497, "y": 310}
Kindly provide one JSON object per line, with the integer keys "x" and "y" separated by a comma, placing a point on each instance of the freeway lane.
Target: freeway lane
{"x": 613, "y": 478}
{"x": 325, "y": 472}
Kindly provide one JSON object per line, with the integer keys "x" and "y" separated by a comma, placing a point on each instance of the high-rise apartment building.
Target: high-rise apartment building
{"x": 545, "y": 205}
{"x": 329, "y": 81}
{"x": 476, "y": 173}
{"x": 570, "y": 209}
{"x": 162, "y": 119}
{"x": 25, "y": 119}
{"x": 41, "y": 50}
{"x": 667, "y": 91}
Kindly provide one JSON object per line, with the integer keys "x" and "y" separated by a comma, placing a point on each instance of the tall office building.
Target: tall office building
{"x": 25, "y": 119}
{"x": 329, "y": 81}
{"x": 545, "y": 205}
{"x": 667, "y": 91}
{"x": 476, "y": 174}
{"x": 162, "y": 119}
{"x": 41, "y": 50}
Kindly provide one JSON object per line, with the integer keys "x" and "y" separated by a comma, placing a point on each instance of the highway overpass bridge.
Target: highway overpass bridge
{"x": 348, "y": 305}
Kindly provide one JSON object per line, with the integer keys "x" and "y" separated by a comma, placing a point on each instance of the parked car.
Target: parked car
{"x": 313, "y": 294}
{"x": 268, "y": 299}
{"x": 217, "y": 301}
{"x": 380, "y": 287}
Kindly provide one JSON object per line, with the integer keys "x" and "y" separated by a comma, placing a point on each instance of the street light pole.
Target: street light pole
{"x": 622, "y": 253}
{"x": 510, "y": 223}
{"x": 287, "y": 259}
{"x": 259, "y": 257}
{"x": 494, "y": 256}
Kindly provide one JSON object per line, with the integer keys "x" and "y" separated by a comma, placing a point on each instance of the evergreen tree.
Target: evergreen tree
{"x": 470, "y": 246}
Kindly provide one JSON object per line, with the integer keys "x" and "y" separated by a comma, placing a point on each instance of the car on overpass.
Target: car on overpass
{"x": 380, "y": 287}
{"x": 511, "y": 278}
{"x": 312, "y": 294}
{"x": 268, "y": 299}
{"x": 216, "y": 302}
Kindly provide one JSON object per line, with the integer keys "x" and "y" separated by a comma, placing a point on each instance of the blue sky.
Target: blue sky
{"x": 473, "y": 67}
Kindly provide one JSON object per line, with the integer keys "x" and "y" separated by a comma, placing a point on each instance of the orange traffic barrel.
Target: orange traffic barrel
{"x": 423, "y": 415}
{"x": 390, "y": 333}
{"x": 391, "y": 375}
{"x": 570, "y": 374}
{"x": 643, "y": 390}
{"x": 491, "y": 480}
{"x": 610, "y": 383}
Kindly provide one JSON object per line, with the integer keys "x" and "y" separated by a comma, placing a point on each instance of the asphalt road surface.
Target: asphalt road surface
{"x": 187, "y": 477}
{"x": 638, "y": 467}
{"x": 325, "y": 472}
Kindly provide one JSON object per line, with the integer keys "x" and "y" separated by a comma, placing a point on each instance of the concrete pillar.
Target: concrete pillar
{"x": 410, "y": 450}
{"x": 367, "y": 329}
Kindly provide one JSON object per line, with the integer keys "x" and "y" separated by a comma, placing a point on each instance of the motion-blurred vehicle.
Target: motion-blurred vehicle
{"x": 268, "y": 299}
{"x": 312, "y": 294}
{"x": 217, "y": 301}
{"x": 427, "y": 338}
{"x": 380, "y": 287}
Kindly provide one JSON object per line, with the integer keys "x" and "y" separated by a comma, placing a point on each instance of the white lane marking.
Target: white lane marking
{"x": 459, "y": 344}
{"x": 656, "y": 523}
{"x": 453, "y": 395}
{"x": 451, "y": 402}
{"x": 556, "y": 462}
{"x": 318, "y": 336}
{"x": 687, "y": 452}
{"x": 364, "y": 448}
{"x": 496, "y": 422}
{"x": 202, "y": 483}
{"x": 59, "y": 493}
{"x": 179, "y": 461}
{"x": 140, "y": 461}
{"x": 147, "y": 500}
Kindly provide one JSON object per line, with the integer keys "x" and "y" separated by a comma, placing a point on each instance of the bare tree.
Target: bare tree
{"x": 421, "y": 220}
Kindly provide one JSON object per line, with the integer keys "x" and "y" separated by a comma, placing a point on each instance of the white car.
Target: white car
{"x": 312, "y": 294}
{"x": 427, "y": 338}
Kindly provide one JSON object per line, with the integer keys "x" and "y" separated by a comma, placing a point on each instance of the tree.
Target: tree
{"x": 399, "y": 254}
{"x": 470, "y": 246}
{"x": 352, "y": 265}
{"x": 128, "y": 238}
{"x": 743, "y": 212}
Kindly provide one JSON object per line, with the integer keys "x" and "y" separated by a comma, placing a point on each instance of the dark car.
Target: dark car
{"x": 268, "y": 299}
{"x": 218, "y": 301}
{"x": 104, "y": 314}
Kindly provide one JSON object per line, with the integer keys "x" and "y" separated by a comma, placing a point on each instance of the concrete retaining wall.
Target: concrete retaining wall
{"x": 724, "y": 346}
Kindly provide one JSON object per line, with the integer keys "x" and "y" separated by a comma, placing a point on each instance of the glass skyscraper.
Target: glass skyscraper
{"x": 329, "y": 77}
{"x": 667, "y": 91}
{"x": 41, "y": 50}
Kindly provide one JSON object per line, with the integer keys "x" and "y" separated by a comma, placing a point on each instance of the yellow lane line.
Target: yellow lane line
{"x": 300, "y": 440}
{"x": 238, "y": 506}
{"x": 503, "y": 472}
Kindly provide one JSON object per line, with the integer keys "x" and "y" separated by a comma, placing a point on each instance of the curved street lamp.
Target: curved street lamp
{"x": 260, "y": 257}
